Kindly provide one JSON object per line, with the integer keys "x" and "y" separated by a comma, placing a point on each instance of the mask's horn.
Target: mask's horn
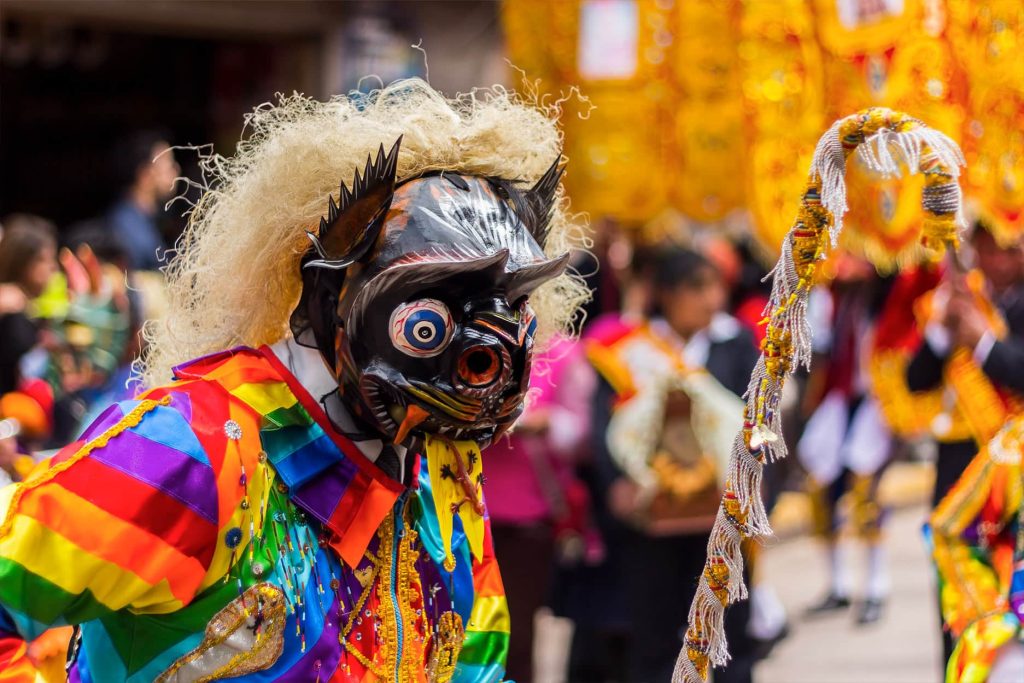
{"x": 541, "y": 199}
{"x": 352, "y": 224}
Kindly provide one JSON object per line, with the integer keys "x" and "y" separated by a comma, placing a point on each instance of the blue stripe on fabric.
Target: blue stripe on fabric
{"x": 101, "y": 655}
{"x": 27, "y": 627}
{"x": 309, "y": 459}
{"x": 167, "y": 426}
{"x": 476, "y": 673}
{"x": 460, "y": 582}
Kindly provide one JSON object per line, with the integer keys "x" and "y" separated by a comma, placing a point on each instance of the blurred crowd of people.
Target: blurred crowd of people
{"x": 603, "y": 499}
{"x": 73, "y": 303}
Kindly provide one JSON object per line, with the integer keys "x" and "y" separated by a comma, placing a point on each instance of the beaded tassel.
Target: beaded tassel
{"x": 885, "y": 141}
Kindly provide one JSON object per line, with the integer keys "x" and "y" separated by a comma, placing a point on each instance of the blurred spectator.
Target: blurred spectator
{"x": 665, "y": 413}
{"x": 28, "y": 262}
{"x": 148, "y": 173}
{"x": 751, "y": 293}
{"x": 973, "y": 321}
{"x": 538, "y": 509}
{"x": 846, "y": 443}
{"x": 604, "y": 268}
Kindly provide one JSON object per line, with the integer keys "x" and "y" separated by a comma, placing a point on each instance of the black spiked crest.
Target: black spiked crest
{"x": 541, "y": 200}
{"x": 352, "y": 224}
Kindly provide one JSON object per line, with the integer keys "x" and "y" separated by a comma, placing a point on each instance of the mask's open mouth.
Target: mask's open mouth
{"x": 415, "y": 408}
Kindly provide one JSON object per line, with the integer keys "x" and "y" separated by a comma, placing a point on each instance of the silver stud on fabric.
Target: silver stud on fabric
{"x": 233, "y": 430}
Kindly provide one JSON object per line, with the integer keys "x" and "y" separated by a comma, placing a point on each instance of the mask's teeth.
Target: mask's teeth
{"x": 414, "y": 415}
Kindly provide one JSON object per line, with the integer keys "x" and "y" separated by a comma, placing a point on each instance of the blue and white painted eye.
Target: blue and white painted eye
{"x": 421, "y": 328}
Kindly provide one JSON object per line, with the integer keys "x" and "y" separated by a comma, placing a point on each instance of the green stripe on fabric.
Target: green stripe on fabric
{"x": 280, "y": 443}
{"x": 484, "y": 647}
{"x": 43, "y": 601}
{"x": 294, "y": 416}
{"x": 139, "y": 638}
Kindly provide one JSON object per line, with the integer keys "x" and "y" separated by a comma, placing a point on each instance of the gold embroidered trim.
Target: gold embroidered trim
{"x": 266, "y": 646}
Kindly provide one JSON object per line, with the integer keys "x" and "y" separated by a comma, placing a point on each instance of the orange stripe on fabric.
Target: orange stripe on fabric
{"x": 373, "y": 509}
{"x": 486, "y": 574}
{"x": 113, "y": 540}
{"x": 128, "y": 498}
{"x": 341, "y": 519}
{"x": 487, "y": 578}
{"x": 15, "y": 666}
{"x": 40, "y": 476}
{"x": 245, "y": 450}
{"x": 245, "y": 367}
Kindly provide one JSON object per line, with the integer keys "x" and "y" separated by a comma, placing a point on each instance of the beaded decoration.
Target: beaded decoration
{"x": 885, "y": 141}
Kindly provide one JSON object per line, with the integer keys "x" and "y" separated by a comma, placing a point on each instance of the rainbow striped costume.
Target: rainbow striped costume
{"x": 219, "y": 527}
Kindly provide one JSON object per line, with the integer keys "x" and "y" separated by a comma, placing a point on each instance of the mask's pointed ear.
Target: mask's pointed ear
{"x": 352, "y": 225}
{"x": 541, "y": 198}
{"x": 346, "y": 234}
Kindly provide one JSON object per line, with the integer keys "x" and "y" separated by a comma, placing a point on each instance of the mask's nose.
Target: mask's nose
{"x": 483, "y": 367}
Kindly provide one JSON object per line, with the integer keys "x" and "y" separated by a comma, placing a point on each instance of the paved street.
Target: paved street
{"x": 903, "y": 648}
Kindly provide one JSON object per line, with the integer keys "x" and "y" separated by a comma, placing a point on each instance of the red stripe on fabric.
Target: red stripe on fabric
{"x": 15, "y": 666}
{"x": 486, "y": 573}
{"x": 316, "y": 412}
{"x": 142, "y": 506}
{"x": 245, "y": 368}
{"x": 341, "y": 519}
{"x": 65, "y": 453}
{"x": 199, "y": 367}
{"x": 209, "y": 414}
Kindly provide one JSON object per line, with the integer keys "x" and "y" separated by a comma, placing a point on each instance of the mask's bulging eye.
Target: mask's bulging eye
{"x": 421, "y": 328}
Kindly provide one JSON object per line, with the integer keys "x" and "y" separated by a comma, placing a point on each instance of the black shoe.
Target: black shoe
{"x": 870, "y": 611}
{"x": 831, "y": 603}
{"x": 764, "y": 647}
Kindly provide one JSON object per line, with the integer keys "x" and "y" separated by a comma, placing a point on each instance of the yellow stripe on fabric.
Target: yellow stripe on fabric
{"x": 48, "y": 554}
{"x": 114, "y": 540}
{"x": 265, "y": 397}
{"x": 40, "y": 476}
{"x": 259, "y": 485}
{"x": 243, "y": 453}
{"x": 6, "y": 496}
{"x": 489, "y": 614}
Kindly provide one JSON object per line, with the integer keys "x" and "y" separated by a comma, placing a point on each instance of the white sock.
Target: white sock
{"x": 767, "y": 615}
{"x": 878, "y": 573}
{"x": 840, "y": 570}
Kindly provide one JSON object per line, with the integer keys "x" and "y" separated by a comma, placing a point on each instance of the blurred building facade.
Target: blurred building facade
{"x": 75, "y": 76}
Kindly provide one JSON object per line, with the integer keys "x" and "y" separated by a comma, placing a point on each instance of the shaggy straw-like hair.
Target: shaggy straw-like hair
{"x": 235, "y": 279}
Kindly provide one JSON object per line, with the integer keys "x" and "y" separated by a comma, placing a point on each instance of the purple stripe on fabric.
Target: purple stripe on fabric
{"x": 107, "y": 419}
{"x": 430, "y": 575}
{"x": 321, "y": 496}
{"x": 181, "y": 402}
{"x": 177, "y": 474}
{"x": 73, "y": 675}
{"x": 325, "y": 654}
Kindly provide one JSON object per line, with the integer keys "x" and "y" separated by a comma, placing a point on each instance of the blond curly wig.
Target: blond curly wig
{"x": 235, "y": 278}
